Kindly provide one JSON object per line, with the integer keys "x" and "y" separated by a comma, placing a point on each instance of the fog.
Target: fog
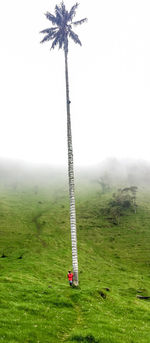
{"x": 113, "y": 172}
{"x": 109, "y": 84}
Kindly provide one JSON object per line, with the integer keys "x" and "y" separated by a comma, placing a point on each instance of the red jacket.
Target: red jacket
{"x": 70, "y": 276}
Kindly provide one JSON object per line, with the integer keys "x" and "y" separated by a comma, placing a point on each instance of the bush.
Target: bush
{"x": 123, "y": 200}
{"x": 86, "y": 339}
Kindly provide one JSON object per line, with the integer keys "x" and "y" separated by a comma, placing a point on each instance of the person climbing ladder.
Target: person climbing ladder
{"x": 70, "y": 277}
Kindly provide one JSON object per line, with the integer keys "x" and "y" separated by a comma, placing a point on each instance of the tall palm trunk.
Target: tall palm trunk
{"x": 71, "y": 181}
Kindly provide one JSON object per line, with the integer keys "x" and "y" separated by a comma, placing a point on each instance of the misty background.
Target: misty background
{"x": 109, "y": 84}
{"x": 111, "y": 173}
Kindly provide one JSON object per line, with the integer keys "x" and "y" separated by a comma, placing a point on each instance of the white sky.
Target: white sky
{"x": 109, "y": 83}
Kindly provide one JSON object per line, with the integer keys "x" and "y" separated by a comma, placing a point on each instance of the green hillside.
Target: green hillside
{"x": 36, "y": 302}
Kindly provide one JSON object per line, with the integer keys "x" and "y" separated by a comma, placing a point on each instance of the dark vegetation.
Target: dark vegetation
{"x": 122, "y": 201}
{"x": 86, "y": 339}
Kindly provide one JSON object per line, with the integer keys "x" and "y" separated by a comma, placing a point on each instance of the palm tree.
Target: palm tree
{"x": 61, "y": 31}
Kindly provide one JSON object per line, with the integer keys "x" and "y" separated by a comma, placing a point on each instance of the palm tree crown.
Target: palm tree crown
{"x": 62, "y": 30}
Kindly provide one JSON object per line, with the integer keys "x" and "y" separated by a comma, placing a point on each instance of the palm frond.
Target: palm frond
{"x": 51, "y": 17}
{"x": 52, "y": 29}
{"x": 63, "y": 8}
{"x": 64, "y": 12}
{"x": 55, "y": 42}
{"x": 59, "y": 15}
{"x": 75, "y": 37}
{"x": 58, "y": 10}
{"x": 49, "y": 36}
{"x": 79, "y": 22}
{"x": 72, "y": 12}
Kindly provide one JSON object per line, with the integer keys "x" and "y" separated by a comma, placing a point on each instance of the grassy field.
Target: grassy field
{"x": 36, "y": 303}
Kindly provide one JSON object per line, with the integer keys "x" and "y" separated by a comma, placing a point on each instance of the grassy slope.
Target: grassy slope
{"x": 36, "y": 303}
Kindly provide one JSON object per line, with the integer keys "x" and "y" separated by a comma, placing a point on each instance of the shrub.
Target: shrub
{"x": 123, "y": 200}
